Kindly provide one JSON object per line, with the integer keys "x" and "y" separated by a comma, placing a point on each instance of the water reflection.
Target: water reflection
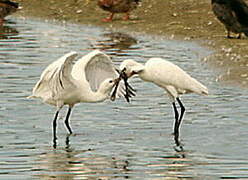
{"x": 69, "y": 163}
{"x": 115, "y": 41}
{"x": 115, "y": 140}
{"x": 174, "y": 166}
{"x": 8, "y": 31}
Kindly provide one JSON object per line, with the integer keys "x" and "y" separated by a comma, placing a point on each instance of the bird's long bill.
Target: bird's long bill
{"x": 129, "y": 91}
{"x": 113, "y": 95}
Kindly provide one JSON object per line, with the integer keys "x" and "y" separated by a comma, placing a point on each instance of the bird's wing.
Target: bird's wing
{"x": 94, "y": 68}
{"x": 164, "y": 74}
{"x": 56, "y": 78}
{"x": 98, "y": 68}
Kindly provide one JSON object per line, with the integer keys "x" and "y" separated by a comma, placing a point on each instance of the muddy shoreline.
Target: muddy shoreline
{"x": 189, "y": 20}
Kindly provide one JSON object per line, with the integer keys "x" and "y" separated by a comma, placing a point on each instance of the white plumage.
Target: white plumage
{"x": 168, "y": 76}
{"x": 68, "y": 81}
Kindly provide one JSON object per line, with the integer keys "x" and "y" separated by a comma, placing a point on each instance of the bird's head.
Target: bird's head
{"x": 130, "y": 67}
{"x": 107, "y": 85}
{"x": 126, "y": 71}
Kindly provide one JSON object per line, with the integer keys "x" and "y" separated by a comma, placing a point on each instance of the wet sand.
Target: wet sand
{"x": 190, "y": 20}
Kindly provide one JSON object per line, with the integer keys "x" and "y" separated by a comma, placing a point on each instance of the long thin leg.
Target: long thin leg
{"x": 55, "y": 125}
{"x": 108, "y": 19}
{"x": 182, "y": 111}
{"x": 176, "y": 118}
{"x": 67, "y": 120}
{"x": 176, "y": 125}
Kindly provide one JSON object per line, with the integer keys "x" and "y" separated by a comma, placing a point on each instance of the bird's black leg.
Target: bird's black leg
{"x": 67, "y": 120}
{"x": 176, "y": 125}
{"x": 54, "y": 128}
{"x": 176, "y": 118}
{"x": 182, "y": 111}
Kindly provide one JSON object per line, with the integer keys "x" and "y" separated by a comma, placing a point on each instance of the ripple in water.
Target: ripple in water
{"x": 115, "y": 140}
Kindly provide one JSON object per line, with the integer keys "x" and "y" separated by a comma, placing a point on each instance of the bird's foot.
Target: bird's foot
{"x": 179, "y": 148}
{"x": 71, "y": 134}
{"x": 54, "y": 143}
{"x": 106, "y": 19}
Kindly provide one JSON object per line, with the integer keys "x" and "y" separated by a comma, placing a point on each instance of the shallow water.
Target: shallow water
{"x": 115, "y": 140}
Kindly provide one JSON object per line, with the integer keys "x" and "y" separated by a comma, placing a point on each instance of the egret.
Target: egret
{"x": 68, "y": 81}
{"x": 168, "y": 76}
{"x": 233, "y": 14}
{"x": 118, "y": 6}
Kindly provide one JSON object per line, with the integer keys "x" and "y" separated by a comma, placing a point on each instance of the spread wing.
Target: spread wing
{"x": 55, "y": 78}
{"x": 99, "y": 68}
{"x": 94, "y": 68}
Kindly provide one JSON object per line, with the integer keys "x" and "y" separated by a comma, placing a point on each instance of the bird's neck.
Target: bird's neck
{"x": 140, "y": 70}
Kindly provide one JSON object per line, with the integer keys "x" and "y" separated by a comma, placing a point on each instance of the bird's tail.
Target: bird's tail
{"x": 203, "y": 90}
{"x": 199, "y": 88}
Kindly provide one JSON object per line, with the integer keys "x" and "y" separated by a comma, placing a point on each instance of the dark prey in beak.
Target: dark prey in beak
{"x": 129, "y": 90}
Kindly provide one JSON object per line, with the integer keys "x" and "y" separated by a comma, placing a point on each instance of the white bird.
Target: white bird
{"x": 66, "y": 82}
{"x": 168, "y": 76}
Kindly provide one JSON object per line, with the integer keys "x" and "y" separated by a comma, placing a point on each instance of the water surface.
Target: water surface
{"x": 115, "y": 140}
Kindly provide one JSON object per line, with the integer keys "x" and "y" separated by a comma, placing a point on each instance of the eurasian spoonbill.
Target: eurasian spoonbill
{"x": 168, "y": 76}
{"x": 68, "y": 81}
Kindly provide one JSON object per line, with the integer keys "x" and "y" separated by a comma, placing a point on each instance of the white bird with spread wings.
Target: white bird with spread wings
{"x": 69, "y": 81}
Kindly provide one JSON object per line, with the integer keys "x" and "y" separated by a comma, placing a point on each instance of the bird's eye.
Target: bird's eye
{"x": 124, "y": 69}
{"x": 110, "y": 81}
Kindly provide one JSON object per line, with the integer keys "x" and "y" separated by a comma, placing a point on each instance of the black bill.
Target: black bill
{"x": 129, "y": 91}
